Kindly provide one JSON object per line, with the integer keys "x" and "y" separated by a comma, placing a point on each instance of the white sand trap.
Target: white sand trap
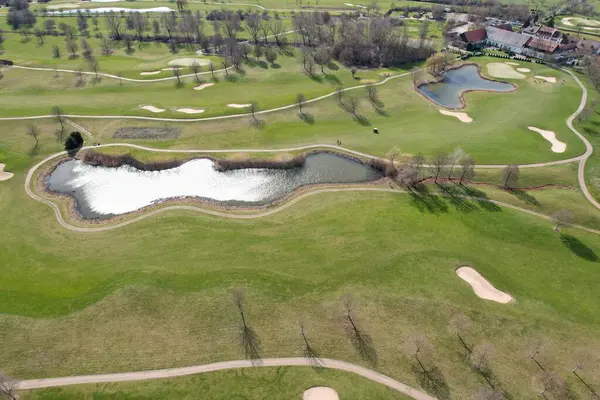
{"x": 171, "y": 69}
{"x": 186, "y": 62}
{"x": 153, "y": 109}
{"x": 557, "y": 145}
{"x": 320, "y": 393}
{"x": 511, "y": 63}
{"x": 481, "y": 286}
{"x": 150, "y": 73}
{"x": 464, "y": 117}
{"x": 502, "y": 70}
{"x": 523, "y": 70}
{"x": 349, "y": 4}
{"x": 203, "y": 86}
{"x": 549, "y": 79}
{"x": 4, "y": 176}
{"x": 234, "y": 105}
{"x": 191, "y": 110}
{"x": 63, "y": 5}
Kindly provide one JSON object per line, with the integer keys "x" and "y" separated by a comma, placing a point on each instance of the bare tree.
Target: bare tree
{"x": 455, "y": 158}
{"x": 360, "y": 339}
{"x": 58, "y": 114}
{"x": 278, "y": 29}
{"x": 211, "y": 66}
{"x": 554, "y": 384}
{"x": 438, "y": 164}
{"x": 226, "y": 63}
{"x": 373, "y": 95}
{"x": 7, "y": 387}
{"x": 459, "y": 325}
{"x": 510, "y": 175}
{"x": 253, "y": 110}
{"x": 252, "y": 23}
{"x": 409, "y": 175}
{"x": 39, "y": 34}
{"x": 177, "y": 74}
{"x": 322, "y": 57}
{"x": 467, "y": 168}
{"x": 487, "y": 393}
{"x": 34, "y": 132}
{"x": 352, "y": 106}
{"x": 309, "y": 351}
{"x": 72, "y": 48}
{"x": 265, "y": 29}
{"x": 480, "y": 360}
{"x": 79, "y": 73}
{"x": 300, "y": 99}
{"x": 115, "y": 24}
{"x": 196, "y": 69}
{"x": 579, "y": 366}
{"x": 250, "y": 341}
{"x": 258, "y": 51}
{"x": 93, "y": 62}
{"x": 560, "y": 218}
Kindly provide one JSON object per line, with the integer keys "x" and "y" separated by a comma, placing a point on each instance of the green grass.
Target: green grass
{"x": 283, "y": 383}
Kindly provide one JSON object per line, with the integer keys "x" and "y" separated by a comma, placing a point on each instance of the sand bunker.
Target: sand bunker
{"x": 153, "y": 109}
{"x": 502, "y": 70}
{"x": 585, "y": 23}
{"x": 481, "y": 286}
{"x": 234, "y": 105}
{"x": 190, "y": 110}
{"x": 203, "y": 86}
{"x": 186, "y": 62}
{"x": 557, "y": 145}
{"x": 171, "y": 69}
{"x": 4, "y": 176}
{"x": 511, "y": 63}
{"x": 460, "y": 115}
{"x": 320, "y": 393}
{"x": 523, "y": 70}
{"x": 150, "y": 73}
{"x": 549, "y": 79}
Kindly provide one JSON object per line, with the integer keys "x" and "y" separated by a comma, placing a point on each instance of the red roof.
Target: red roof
{"x": 540, "y": 44}
{"x": 478, "y": 35}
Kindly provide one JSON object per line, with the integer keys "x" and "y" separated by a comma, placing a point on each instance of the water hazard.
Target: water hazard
{"x": 103, "y": 192}
{"x": 447, "y": 93}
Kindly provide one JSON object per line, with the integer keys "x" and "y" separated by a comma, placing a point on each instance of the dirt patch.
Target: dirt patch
{"x": 557, "y": 145}
{"x": 203, "y": 86}
{"x": 320, "y": 393}
{"x": 502, "y": 70}
{"x": 134, "y": 132}
{"x": 461, "y": 116}
{"x": 4, "y": 176}
{"x": 481, "y": 286}
{"x": 549, "y": 79}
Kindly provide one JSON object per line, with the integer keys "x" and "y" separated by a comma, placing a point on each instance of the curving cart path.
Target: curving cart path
{"x": 199, "y": 369}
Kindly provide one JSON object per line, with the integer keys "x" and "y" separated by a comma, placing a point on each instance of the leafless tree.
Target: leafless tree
{"x": 459, "y": 325}
{"x": 352, "y": 106}
{"x": 360, "y": 339}
{"x": 422, "y": 350}
{"x": 265, "y": 29}
{"x": 454, "y": 158}
{"x": 177, "y": 74}
{"x": 72, "y": 48}
{"x": 252, "y": 23}
{"x": 34, "y": 132}
{"x": 278, "y": 29}
{"x": 373, "y": 95}
{"x": 308, "y": 62}
{"x": 467, "y": 168}
{"x": 59, "y": 116}
{"x": 560, "y": 218}
{"x": 480, "y": 360}
{"x": 258, "y": 51}
{"x": 115, "y": 24}
{"x": 579, "y": 366}
{"x": 322, "y": 57}
{"x": 106, "y": 46}
{"x": 79, "y": 73}
{"x": 40, "y": 34}
{"x": 211, "y": 66}
{"x": 196, "y": 69}
{"x": 309, "y": 351}
{"x": 93, "y": 62}
{"x": 510, "y": 175}
{"x": 553, "y": 384}
{"x": 300, "y": 99}
{"x": 226, "y": 63}
{"x": 409, "y": 175}
{"x": 253, "y": 110}
{"x": 249, "y": 339}
{"x": 438, "y": 164}
{"x": 7, "y": 387}
{"x": 140, "y": 24}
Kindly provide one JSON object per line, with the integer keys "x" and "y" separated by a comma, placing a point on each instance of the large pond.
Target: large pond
{"x": 448, "y": 92}
{"x": 103, "y": 192}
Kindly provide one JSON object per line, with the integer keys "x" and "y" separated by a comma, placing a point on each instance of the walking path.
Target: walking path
{"x": 199, "y": 369}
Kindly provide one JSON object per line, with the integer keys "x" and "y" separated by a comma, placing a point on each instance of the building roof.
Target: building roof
{"x": 588, "y": 44}
{"x": 541, "y": 44}
{"x": 478, "y": 35}
{"x": 506, "y": 27}
{"x": 546, "y": 30}
{"x": 531, "y": 29}
{"x": 506, "y": 37}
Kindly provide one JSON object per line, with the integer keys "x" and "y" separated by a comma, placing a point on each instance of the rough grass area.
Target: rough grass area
{"x": 285, "y": 383}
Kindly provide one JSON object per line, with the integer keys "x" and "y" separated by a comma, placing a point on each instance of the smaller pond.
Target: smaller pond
{"x": 448, "y": 92}
{"x": 103, "y": 192}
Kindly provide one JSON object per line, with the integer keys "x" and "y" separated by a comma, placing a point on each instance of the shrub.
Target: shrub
{"x": 74, "y": 141}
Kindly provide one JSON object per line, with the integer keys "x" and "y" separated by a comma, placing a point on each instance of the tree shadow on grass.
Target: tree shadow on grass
{"x": 316, "y": 78}
{"x": 250, "y": 344}
{"x": 333, "y": 79}
{"x": 426, "y": 202}
{"x": 232, "y": 78}
{"x": 363, "y": 343}
{"x": 275, "y": 66}
{"x": 482, "y": 198}
{"x": 306, "y": 117}
{"x": 362, "y": 120}
{"x": 578, "y": 248}
{"x": 456, "y": 199}
{"x": 432, "y": 381}
{"x": 524, "y": 196}
{"x": 382, "y": 112}
{"x": 333, "y": 66}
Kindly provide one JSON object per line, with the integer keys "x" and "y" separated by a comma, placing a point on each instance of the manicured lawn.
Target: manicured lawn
{"x": 285, "y": 383}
